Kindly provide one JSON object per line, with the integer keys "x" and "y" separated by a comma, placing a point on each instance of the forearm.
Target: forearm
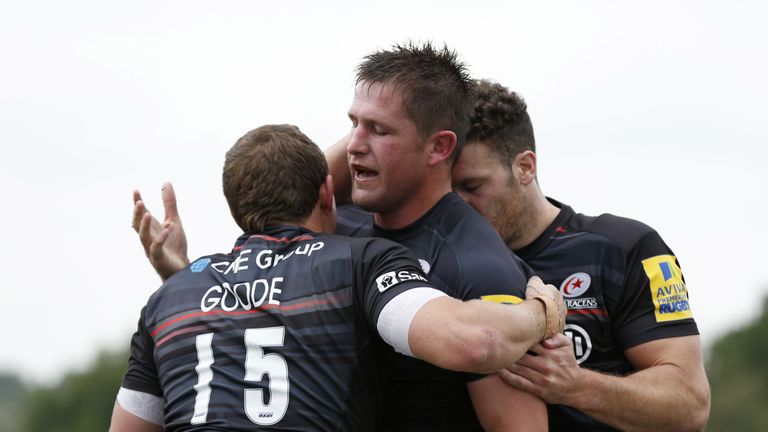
{"x": 660, "y": 398}
{"x": 475, "y": 336}
{"x": 502, "y": 408}
{"x": 336, "y": 156}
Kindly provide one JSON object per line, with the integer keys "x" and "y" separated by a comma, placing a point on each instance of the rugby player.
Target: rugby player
{"x": 283, "y": 332}
{"x": 409, "y": 116}
{"x": 633, "y": 359}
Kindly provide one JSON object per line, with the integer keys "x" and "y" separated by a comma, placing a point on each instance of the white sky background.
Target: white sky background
{"x": 651, "y": 110}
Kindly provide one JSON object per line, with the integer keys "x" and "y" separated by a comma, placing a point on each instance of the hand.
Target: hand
{"x": 552, "y": 374}
{"x": 164, "y": 244}
{"x": 553, "y": 304}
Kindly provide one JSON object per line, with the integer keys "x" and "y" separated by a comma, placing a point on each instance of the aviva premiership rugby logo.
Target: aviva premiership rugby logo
{"x": 668, "y": 292}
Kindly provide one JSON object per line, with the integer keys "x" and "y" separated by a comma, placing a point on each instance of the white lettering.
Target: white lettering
{"x": 263, "y": 295}
{"x": 245, "y": 295}
{"x": 264, "y": 263}
{"x": 228, "y": 290}
{"x": 265, "y": 258}
{"x": 279, "y": 257}
{"x": 273, "y": 290}
{"x": 211, "y": 302}
{"x": 220, "y": 267}
{"x": 238, "y": 264}
{"x": 315, "y": 247}
{"x": 404, "y": 275}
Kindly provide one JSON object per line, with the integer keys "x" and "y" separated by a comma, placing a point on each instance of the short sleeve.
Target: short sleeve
{"x": 655, "y": 302}
{"x": 384, "y": 270}
{"x": 142, "y": 373}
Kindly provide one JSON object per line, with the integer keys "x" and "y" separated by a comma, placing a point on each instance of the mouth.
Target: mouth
{"x": 362, "y": 173}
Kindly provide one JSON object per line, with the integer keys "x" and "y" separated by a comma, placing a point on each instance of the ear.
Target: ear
{"x": 442, "y": 144}
{"x": 525, "y": 167}
{"x": 326, "y": 200}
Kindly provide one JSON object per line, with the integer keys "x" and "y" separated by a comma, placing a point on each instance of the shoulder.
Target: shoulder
{"x": 484, "y": 262}
{"x": 624, "y": 233}
{"x": 353, "y": 221}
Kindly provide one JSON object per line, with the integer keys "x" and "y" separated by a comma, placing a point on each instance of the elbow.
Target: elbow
{"x": 697, "y": 420}
{"x": 697, "y": 416}
{"x": 700, "y": 414}
{"x": 479, "y": 352}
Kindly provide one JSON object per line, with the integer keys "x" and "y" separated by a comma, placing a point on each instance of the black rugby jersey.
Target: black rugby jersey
{"x": 622, "y": 285}
{"x": 464, "y": 257}
{"x": 279, "y": 334}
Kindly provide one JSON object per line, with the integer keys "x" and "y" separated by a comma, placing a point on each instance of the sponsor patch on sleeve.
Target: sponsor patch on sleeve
{"x": 502, "y": 298}
{"x": 670, "y": 297}
{"x": 390, "y": 279}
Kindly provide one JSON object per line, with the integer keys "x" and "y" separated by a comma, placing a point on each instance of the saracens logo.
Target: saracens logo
{"x": 575, "y": 285}
{"x": 582, "y": 344}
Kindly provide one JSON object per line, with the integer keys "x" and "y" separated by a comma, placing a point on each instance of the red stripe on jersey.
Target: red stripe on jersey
{"x": 301, "y": 305}
{"x": 278, "y": 240}
{"x": 586, "y": 312}
{"x": 172, "y": 335}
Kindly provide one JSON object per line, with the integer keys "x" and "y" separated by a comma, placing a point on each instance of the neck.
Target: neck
{"x": 541, "y": 214}
{"x": 417, "y": 205}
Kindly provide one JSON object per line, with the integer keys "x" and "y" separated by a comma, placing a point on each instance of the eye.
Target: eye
{"x": 378, "y": 130}
{"x": 470, "y": 186}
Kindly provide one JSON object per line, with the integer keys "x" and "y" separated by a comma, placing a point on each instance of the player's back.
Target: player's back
{"x": 268, "y": 337}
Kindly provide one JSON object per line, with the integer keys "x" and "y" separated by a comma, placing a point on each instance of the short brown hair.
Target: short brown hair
{"x": 436, "y": 88}
{"x": 272, "y": 175}
{"x": 501, "y": 122}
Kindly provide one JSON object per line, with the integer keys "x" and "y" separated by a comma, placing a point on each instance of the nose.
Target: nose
{"x": 357, "y": 143}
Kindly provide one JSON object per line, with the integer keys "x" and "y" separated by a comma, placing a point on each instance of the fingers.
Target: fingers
{"x": 535, "y": 281}
{"x": 169, "y": 202}
{"x": 136, "y": 196}
{"x": 533, "y": 362}
{"x": 559, "y": 340}
{"x": 517, "y": 381}
{"x": 535, "y": 285}
{"x": 139, "y": 210}
{"x": 156, "y": 247}
{"x": 145, "y": 231}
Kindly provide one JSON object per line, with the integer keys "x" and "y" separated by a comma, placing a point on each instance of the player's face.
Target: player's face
{"x": 386, "y": 153}
{"x": 492, "y": 189}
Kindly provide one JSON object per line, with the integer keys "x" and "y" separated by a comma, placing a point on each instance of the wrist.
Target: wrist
{"x": 582, "y": 389}
{"x": 553, "y": 321}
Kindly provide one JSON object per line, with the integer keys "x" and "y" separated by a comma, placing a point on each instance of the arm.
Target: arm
{"x": 336, "y": 156}
{"x": 670, "y": 381}
{"x": 500, "y": 407}
{"x": 124, "y": 421}
{"x": 165, "y": 245}
{"x": 483, "y": 337}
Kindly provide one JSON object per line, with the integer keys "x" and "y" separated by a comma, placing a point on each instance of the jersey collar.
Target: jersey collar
{"x": 558, "y": 225}
{"x": 276, "y": 233}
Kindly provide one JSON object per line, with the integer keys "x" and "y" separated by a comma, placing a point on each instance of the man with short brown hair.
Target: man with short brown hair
{"x": 633, "y": 360}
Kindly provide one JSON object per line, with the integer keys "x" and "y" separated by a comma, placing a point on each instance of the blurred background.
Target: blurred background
{"x": 653, "y": 110}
